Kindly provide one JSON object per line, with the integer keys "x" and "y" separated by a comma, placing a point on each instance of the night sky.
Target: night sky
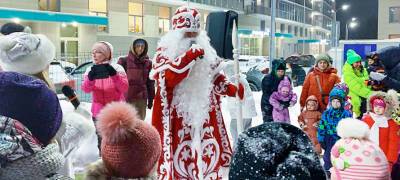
{"x": 366, "y": 12}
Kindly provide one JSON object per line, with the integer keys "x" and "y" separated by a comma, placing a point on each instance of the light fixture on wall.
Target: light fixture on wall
{"x": 16, "y": 20}
{"x": 63, "y": 25}
{"x": 75, "y": 24}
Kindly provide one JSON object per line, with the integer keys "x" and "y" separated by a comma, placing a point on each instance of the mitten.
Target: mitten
{"x": 241, "y": 91}
{"x": 377, "y": 76}
{"x": 111, "y": 70}
{"x": 91, "y": 75}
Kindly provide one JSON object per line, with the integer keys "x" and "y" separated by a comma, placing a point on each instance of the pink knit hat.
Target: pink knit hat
{"x": 130, "y": 147}
{"x": 355, "y": 156}
{"x": 105, "y": 48}
{"x": 379, "y": 102}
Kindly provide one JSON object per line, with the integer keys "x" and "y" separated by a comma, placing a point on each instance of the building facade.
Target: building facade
{"x": 389, "y": 19}
{"x": 303, "y": 26}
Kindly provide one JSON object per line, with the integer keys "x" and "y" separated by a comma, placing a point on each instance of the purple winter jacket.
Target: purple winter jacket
{"x": 280, "y": 113}
{"x": 141, "y": 87}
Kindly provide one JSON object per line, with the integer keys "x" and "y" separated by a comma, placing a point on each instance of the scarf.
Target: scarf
{"x": 16, "y": 141}
{"x": 380, "y": 122}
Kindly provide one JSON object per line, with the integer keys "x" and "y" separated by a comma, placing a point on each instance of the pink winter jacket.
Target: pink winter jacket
{"x": 106, "y": 90}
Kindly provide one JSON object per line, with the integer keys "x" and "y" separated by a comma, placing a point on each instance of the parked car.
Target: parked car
{"x": 59, "y": 77}
{"x": 255, "y": 68}
{"x": 298, "y": 66}
{"x": 77, "y": 75}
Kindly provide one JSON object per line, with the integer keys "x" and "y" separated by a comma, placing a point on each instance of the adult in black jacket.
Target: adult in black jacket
{"x": 269, "y": 85}
{"x": 390, "y": 58}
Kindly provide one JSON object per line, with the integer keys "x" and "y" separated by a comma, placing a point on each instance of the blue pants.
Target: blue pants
{"x": 328, "y": 143}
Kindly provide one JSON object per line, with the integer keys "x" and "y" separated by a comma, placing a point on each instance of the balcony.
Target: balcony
{"x": 250, "y": 9}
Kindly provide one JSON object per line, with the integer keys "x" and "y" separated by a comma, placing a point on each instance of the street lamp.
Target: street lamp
{"x": 351, "y": 25}
{"x": 345, "y": 7}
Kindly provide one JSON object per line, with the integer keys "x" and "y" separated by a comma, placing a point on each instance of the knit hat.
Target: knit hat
{"x": 281, "y": 66}
{"x": 323, "y": 57}
{"x": 352, "y": 57}
{"x": 32, "y": 103}
{"x": 337, "y": 93}
{"x": 275, "y": 151}
{"x": 104, "y": 48}
{"x": 26, "y": 53}
{"x": 11, "y": 27}
{"x": 130, "y": 147}
{"x": 343, "y": 87}
{"x": 388, "y": 98}
{"x": 379, "y": 102}
{"x": 355, "y": 156}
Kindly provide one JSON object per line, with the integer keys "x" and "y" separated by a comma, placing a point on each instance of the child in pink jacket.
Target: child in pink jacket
{"x": 107, "y": 82}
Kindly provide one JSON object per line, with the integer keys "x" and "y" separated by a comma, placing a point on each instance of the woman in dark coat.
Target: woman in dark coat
{"x": 269, "y": 85}
{"x": 390, "y": 58}
{"x": 137, "y": 66}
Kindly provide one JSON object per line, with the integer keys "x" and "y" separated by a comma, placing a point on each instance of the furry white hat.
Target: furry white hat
{"x": 352, "y": 128}
{"x": 26, "y": 53}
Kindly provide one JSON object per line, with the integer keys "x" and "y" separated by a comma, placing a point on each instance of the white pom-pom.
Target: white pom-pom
{"x": 352, "y": 128}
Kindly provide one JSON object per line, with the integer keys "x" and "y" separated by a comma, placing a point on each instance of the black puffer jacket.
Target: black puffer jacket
{"x": 390, "y": 58}
{"x": 269, "y": 85}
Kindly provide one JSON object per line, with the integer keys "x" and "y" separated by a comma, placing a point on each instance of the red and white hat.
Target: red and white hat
{"x": 186, "y": 19}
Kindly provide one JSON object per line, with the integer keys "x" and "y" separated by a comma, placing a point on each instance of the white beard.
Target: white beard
{"x": 192, "y": 96}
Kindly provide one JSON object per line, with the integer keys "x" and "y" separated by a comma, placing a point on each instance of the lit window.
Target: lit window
{"x": 98, "y": 8}
{"x": 49, "y": 5}
{"x": 394, "y": 15}
{"x": 135, "y": 20}
{"x": 163, "y": 19}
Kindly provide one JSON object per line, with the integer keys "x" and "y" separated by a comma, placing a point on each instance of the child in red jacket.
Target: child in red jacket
{"x": 383, "y": 128}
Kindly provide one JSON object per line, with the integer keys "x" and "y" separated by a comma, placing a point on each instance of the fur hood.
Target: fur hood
{"x": 390, "y": 99}
{"x": 97, "y": 171}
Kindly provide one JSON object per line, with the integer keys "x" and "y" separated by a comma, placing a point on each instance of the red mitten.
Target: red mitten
{"x": 241, "y": 91}
{"x": 194, "y": 52}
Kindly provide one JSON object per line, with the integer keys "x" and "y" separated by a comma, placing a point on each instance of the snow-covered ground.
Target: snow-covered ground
{"x": 89, "y": 152}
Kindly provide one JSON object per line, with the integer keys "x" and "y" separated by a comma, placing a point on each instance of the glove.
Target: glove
{"x": 377, "y": 76}
{"x": 241, "y": 91}
{"x": 100, "y": 71}
{"x": 150, "y": 104}
{"x": 111, "y": 70}
{"x": 196, "y": 51}
{"x": 285, "y": 104}
{"x": 91, "y": 75}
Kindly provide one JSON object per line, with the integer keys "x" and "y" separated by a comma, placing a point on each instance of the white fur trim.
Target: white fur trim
{"x": 352, "y": 128}
{"x": 35, "y": 62}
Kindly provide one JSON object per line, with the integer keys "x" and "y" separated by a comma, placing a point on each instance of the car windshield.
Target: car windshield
{"x": 82, "y": 68}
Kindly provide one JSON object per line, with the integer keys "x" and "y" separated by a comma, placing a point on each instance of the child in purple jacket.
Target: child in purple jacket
{"x": 281, "y": 100}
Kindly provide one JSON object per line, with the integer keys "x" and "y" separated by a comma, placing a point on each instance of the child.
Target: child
{"x": 375, "y": 65}
{"x": 309, "y": 120}
{"x": 327, "y": 135}
{"x": 107, "y": 82}
{"x": 281, "y": 100}
{"x": 130, "y": 147}
{"x": 345, "y": 89}
{"x": 384, "y": 130}
{"x": 354, "y": 156}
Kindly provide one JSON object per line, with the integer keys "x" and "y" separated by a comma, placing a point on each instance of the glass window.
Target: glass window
{"x": 98, "y": 8}
{"x": 306, "y": 32}
{"x": 49, "y": 5}
{"x": 68, "y": 31}
{"x": 289, "y": 29}
{"x": 301, "y": 32}
{"x": 394, "y": 15}
{"x": 282, "y": 28}
{"x": 135, "y": 20}
{"x": 163, "y": 19}
{"x": 205, "y": 15}
{"x": 296, "y": 30}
